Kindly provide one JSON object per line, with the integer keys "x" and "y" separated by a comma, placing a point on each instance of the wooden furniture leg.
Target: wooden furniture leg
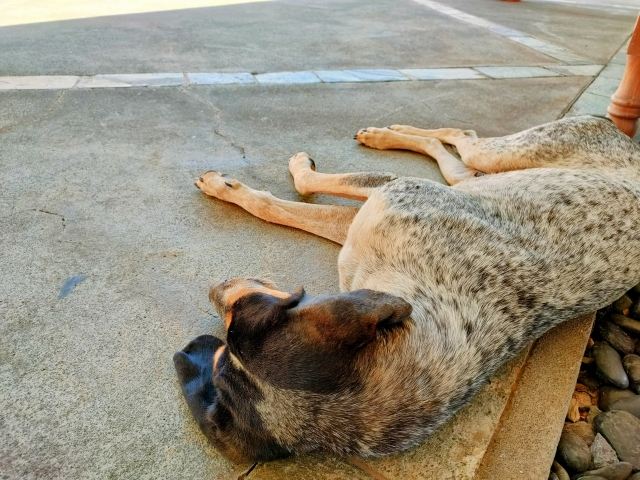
{"x": 624, "y": 109}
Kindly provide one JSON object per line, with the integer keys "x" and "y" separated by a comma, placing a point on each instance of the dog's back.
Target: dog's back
{"x": 491, "y": 263}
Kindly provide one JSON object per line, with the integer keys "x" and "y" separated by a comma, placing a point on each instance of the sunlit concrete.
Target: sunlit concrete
{"x": 20, "y": 12}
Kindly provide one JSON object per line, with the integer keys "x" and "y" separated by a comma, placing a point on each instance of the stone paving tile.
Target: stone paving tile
{"x": 220, "y": 78}
{"x": 551, "y": 50}
{"x": 283, "y": 78}
{"x": 102, "y": 81}
{"x": 136, "y": 80}
{"x": 613, "y": 71}
{"x": 577, "y": 70}
{"x": 337, "y": 76}
{"x": 377, "y": 75}
{"x": 516, "y": 72}
{"x": 38, "y": 83}
{"x": 620, "y": 58}
{"x": 589, "y": 104}
{"x": 442, "y": 73}
{"x": 604, "y": 86}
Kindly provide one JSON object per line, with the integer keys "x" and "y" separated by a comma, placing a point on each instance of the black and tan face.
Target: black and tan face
{"x": 290, "y": 341}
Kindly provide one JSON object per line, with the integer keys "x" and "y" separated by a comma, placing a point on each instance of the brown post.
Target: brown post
{"x": 624, "y": 109}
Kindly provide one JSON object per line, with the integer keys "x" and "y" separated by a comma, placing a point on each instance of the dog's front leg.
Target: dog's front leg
{"x": 357, "y": 186}
{"x": 328, "y": 221}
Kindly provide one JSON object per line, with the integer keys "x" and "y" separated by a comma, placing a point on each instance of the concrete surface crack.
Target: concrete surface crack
{"x": 218, "y": 120}
{"x": 64, "y": 220}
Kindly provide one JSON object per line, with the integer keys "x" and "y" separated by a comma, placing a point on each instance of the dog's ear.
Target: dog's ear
{"x": 256, "y": 315}
{"x": 351, "y": 319}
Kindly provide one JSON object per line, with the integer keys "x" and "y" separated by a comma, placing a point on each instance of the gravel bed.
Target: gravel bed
{"x": 601, "y": 435}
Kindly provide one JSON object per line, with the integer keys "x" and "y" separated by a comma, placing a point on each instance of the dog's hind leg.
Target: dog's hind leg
{"x": 357, "y": 186}
{"x": 585, "y": 142}
{"x": 445, "y": 135}
{"x": 328, "y": 221}
{"x": 452, "y": 168}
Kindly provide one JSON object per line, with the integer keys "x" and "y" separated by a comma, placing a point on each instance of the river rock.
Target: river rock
{"x": 616, "y": 337}
{"x": 634, "y": 311}
{"x": 553, "y": 476}
{"x": 609, "y": 395}
{"x": 602, "y": 454}
{"x": 616, "y": 471}
{"x": 609, "y": 365}
{"x": 622, "y": 305}
{"x": 628, "y": 324}
{"x": 622, "y": 431}
{"x": 573, "y": 453}
{"x": 560, "y": 471}
{"x": 631, "y": 364}
{"x": 584, "y": 430}
{"x": 635, "y": 476}
{"x": 628, "y": 404}
{"x": 594, "y": 411}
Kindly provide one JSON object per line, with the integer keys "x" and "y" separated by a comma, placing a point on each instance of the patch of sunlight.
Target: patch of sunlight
{"x": 20, "y": 12}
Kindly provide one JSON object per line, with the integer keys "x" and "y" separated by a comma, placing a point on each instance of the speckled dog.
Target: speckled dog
{"x": 441, "y": 285}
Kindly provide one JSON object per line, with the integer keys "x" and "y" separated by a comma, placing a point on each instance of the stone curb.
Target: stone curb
{"x": 128, "y": 80}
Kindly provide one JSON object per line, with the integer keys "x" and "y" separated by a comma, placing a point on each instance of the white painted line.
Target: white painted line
{"x": 46, "y": 82}
{"x": 551, "y": 50}
{"x": 465, "y": 17}
{"x": 554, "y": 51}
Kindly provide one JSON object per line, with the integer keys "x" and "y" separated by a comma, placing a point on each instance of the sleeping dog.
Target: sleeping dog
{"x": 440, "y": 286}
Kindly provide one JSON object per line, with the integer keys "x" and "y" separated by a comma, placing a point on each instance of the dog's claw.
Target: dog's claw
{"x": 196, "y": 184}
{"x": 313, "y": 164}
{"x": 479, "y": 174}
{"x": 230, "y": 185}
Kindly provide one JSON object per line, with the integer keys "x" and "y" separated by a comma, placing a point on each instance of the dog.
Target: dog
{"x": 440, "y": 286}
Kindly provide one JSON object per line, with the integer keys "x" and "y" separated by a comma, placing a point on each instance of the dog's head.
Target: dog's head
{"x": 289, "y": 341}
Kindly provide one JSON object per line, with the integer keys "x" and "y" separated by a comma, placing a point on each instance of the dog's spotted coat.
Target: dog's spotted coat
{"x": 442, "y": 285}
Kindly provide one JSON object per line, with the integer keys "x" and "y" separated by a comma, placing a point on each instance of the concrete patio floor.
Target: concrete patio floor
{"x": 99, "y": 182}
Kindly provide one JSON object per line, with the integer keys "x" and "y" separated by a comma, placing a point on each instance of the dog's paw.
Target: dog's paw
{"x": 300, "y": 166}
{"x": 301, "y": 162}
{"x": 216, "y": 184}
{"x": 379, "y": 138}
